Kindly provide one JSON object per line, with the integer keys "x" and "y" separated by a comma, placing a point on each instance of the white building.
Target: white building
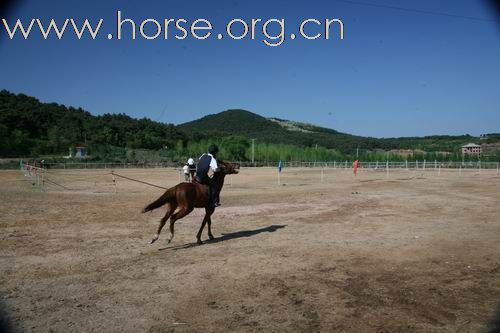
{"x": 471, "y": 149}
{"x": 81, "y": 151}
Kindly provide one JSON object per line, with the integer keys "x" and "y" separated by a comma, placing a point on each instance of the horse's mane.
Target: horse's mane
{"x": 224, "y": 163}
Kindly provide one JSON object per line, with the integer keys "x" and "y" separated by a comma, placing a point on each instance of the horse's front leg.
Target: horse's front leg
{"x": 198, "y": 236}
{"x": 209, "y": 213}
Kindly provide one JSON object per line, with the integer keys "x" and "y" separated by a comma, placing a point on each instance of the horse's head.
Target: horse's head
{"x": 227, "y": 168}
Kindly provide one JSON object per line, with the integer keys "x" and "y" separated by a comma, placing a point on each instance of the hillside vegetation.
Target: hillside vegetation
{"x": 29, "y": 128}
{"x": 245, "y": 123}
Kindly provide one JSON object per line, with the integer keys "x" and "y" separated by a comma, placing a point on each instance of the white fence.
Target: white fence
{"x": 293, "y": 164}
{"x": 34, "y": 174}
{"x": 308, "y": 172}
{"x": 103, "y": 165}
{"x": 379, "y": 165}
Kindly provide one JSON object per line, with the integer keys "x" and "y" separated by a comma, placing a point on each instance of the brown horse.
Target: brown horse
{"x": 184, "y": 197}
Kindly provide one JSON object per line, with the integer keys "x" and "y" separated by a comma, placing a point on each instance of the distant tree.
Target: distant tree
{"x": 234, "y": 148}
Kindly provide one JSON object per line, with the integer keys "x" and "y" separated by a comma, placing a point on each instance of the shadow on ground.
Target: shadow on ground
{"x": 5, "y": 324}
{"x": 494, "y": 325}
{"x": 229, "y": 236}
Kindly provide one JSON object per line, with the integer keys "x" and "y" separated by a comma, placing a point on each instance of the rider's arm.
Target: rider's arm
{"x": 213, "y": 165}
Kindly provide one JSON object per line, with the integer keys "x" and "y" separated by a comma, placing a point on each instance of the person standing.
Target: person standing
{"x": 185, "y": 170}
{"x": 191, "y": 168}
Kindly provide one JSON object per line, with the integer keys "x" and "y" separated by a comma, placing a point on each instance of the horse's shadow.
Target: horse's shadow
{"x": 229, "y": 236}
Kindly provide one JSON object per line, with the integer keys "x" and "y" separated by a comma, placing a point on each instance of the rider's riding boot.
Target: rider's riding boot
{"x": 217, "y": 199}
{"x": 214, "y": 197}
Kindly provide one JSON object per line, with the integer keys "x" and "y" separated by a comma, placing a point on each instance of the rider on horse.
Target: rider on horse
{"x": 207, "y": 165}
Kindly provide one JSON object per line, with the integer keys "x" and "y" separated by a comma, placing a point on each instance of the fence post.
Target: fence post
{"x": 387, "y": 168}
{"x": 114, "y": 180}
{"x": 43, "y": 177}
{"x": 406, "y": 163}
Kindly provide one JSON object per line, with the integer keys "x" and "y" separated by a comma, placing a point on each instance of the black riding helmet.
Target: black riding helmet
{"x": 213, "y": 149}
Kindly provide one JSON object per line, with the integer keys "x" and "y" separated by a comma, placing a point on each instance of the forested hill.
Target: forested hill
{"x": 274, "y": 130}
{"x": 251, "y": 125}
{"x": 29, "y": 128}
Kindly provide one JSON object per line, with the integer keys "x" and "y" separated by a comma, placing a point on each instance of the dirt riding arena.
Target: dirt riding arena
{"x": 404, "y": 252}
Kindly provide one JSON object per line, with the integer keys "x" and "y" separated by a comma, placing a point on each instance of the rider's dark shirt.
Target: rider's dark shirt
{"x": 203, "y": 167}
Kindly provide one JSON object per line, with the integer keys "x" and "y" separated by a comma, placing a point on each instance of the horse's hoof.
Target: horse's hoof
{"x": 211, "y": 237}
{"x": 199, "y": 242}
{"x": 155, "y": 238}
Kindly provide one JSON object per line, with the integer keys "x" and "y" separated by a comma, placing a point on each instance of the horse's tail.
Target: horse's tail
{"x": 168, "y": 196}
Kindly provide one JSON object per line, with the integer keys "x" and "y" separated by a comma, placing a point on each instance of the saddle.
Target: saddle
{"x": 200, "y": 181}
{"x": 213, "y": 197}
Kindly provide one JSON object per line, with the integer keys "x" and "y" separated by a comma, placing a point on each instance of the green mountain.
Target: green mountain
{"x": 274, "y": 130}
{"x": 31, "y": 128}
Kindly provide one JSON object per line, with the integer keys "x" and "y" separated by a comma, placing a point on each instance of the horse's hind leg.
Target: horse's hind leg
{"x": 177, "y": 216}
{"x": 162, "y": 223}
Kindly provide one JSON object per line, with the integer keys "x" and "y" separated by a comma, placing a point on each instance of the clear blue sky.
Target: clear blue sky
{"x": 396, "y": 73}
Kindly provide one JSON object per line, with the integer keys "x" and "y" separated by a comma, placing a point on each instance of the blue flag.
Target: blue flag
{"x": 280, "y": 166}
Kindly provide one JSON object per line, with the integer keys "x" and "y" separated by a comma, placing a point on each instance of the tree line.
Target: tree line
{"x": 29, "y": 128}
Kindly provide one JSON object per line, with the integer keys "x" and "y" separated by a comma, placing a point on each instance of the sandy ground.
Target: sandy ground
{"x": 414, "y": 252}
